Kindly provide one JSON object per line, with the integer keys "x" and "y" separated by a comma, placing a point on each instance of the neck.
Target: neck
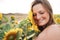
{"x": 41, "y": 28}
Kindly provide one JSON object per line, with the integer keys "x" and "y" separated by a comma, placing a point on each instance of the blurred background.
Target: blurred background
{"x": 21, "y": 8}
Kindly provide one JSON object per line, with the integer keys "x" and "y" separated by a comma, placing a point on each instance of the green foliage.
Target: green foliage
{"x": 5, "y": 18}
{"x": 1, "y": 34}
{"x": 0, "y": 22}
{"x": 25, "y": 24}
{"x": 6, "y": 27}
{"x": 18, "y": 36}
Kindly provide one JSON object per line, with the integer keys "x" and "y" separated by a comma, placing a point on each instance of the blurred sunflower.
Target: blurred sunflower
{"x": 11, "y": 34}
{"x": 32, "y": 21}
{"x": 16, "y": 22}
{"x": 57, "y": 20}
{"x": 0, "y": 16}
{"x": 12, "y": 17}
{"x": 25, "y": 38}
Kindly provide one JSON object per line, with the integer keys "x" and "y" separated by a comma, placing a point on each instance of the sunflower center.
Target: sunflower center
{"x": 11, "y": 37}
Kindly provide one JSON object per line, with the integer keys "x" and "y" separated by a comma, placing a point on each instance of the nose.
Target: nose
{"x": 38, "y": 16}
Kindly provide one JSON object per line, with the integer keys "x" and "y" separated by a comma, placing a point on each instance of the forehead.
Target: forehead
{"x": 38, "y": 7}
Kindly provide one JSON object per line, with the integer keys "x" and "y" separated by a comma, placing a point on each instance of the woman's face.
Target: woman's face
{"x": 40, "y": 15}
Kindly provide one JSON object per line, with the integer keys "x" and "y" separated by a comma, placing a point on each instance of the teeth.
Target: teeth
{"x": 42, "y": 20}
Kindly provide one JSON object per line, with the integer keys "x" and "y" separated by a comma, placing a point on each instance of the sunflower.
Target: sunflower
{"x": 0, "y": 16}
{"x": 58, "y": 20}
{"x": 34, "y": 26}
{"x": 12, "y": 17}
{"x": 11, "y": 34}
{"x": 16, "y": 22}
{"x": 25, "y": 38}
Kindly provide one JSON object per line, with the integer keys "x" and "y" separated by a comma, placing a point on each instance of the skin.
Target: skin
{"x": 50, "y": 33}
{"x": 40, "y": 15}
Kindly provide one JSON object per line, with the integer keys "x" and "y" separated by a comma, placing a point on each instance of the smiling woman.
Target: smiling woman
{"x": 42, "y": 15}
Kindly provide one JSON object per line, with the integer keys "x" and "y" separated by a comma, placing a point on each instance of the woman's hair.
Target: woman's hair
{"x": 47, "y": 5}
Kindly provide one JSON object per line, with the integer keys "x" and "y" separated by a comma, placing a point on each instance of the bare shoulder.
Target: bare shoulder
{"x": 52, "y": 32}
{"x": 53, "y": 27}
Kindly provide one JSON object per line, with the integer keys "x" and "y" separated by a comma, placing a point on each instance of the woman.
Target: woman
{"x": 42, "y": 13}
{"x": 43, "y": 17}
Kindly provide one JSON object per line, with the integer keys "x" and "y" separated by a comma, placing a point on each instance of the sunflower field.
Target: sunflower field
{"x": 12, "y": 30}
{"x": 57, "y": 18}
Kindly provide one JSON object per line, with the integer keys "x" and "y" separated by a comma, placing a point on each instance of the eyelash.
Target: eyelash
{"x": 39, "y": 13}
{"x": 34, "y": 14}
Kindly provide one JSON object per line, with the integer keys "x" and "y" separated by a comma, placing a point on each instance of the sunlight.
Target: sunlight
{"x": 23, "y": 6}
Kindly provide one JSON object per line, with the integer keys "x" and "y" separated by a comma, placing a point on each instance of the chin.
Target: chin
{"x": 41, "y": 24}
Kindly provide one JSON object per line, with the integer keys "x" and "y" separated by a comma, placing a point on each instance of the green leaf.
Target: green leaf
{"x": 0, "y": 22}
{"x": 1, "y": 34}
{"x": 30, "y": 32}
{"x": 5, "y": 18}
{"x": 6, "y": 27}
{"x": 18, "y": 36}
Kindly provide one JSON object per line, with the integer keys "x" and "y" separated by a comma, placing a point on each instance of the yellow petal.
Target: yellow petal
{"x": 0, "y": 16}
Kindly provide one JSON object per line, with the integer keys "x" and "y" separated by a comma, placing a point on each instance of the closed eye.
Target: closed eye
{"x": 41, "y": 12}
{"x": 34, "y": 14}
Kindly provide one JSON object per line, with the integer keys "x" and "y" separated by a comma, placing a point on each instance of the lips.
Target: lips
{"x": 41, "y": 22}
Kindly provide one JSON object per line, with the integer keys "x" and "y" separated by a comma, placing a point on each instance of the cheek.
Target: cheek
{"x": 46, "y": 16}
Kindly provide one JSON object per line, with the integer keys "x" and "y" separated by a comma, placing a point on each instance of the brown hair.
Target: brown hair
{"x": 47, "y": 5}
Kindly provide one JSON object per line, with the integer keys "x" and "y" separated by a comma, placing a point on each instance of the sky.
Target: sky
{"x": 23, "y": 6}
